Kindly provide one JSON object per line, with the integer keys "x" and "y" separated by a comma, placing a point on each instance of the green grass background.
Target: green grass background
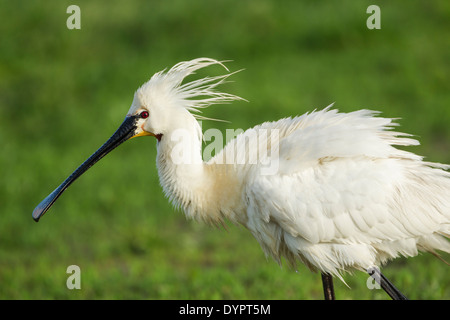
{"x": 63, "y": 93}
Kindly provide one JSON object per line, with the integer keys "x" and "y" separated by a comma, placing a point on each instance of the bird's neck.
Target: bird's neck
{"x": 205, "y": 192}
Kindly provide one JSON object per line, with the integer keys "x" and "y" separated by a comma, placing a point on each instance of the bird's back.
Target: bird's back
{"x": 339, "y": 195}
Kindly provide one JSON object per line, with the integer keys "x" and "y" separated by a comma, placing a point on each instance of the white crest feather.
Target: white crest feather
{"x": 192, "y": 95}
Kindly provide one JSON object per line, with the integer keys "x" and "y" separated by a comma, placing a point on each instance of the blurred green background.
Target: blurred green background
{"x": 63, "y": 93}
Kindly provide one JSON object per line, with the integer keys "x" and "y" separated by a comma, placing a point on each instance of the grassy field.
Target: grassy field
{"x": 63, "y": 92}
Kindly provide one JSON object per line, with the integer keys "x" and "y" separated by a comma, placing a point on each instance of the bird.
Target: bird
{"x": 326, "y": 189}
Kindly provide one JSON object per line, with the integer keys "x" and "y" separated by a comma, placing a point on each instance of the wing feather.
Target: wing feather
{"x": 353, "y": 204}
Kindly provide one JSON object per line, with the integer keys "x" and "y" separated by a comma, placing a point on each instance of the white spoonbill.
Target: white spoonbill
{"x": 340, "y": 196}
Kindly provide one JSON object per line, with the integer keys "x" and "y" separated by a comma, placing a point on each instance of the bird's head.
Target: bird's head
{"x": 163, "y": 104}
{"x": 160, "y": 106}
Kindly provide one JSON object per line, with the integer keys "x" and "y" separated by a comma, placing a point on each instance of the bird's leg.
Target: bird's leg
{"x": 328, "y": 289}
{"x": 386, "y": 285}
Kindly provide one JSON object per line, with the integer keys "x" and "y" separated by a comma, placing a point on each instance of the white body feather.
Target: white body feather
{"x": 343, "y": 196}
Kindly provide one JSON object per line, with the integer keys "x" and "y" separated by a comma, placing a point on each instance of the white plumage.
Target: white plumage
{"x": 341, "y": 209}
{"x": 342, "y": 196}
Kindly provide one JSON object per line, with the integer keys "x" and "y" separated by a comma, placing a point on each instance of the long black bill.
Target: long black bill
{"x": 124, "y": 132}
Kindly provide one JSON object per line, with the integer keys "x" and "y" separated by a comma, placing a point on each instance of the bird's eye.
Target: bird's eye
{"x": 144, "y": 114}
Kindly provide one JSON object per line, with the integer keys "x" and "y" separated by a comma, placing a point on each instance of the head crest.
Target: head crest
{"x": 192, "y": 95}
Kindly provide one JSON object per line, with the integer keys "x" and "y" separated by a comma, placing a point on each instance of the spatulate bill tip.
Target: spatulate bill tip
{"x": 45, "y": 204}
{"x": 38, "y": 212}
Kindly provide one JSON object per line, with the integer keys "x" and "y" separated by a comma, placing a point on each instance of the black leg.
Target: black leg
{"x": 328, "y": 290}
{"x": 386, "y": 285}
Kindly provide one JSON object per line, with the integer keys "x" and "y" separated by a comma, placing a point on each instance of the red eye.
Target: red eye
{"x": 144, "y": 114}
